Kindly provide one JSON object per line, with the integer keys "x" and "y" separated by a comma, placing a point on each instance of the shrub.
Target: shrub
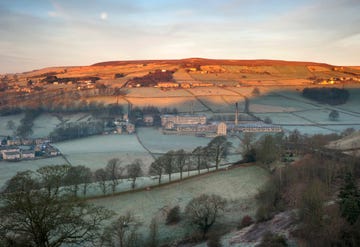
{"x": 173, "y": 217}
{"x": 214, "y": 241}
{"x": 272, "y": 239}
{"x": 246, "y": 221}
{"x": 264, "y": 213}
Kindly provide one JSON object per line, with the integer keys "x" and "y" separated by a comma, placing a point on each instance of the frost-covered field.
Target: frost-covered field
{"x": 322, "y": 116}
{"x": 157, "y": 92}
{"x": 276, "y": 103}
{"x": 44, "y": 125}
{"x": 353, "y": 102}
{"x": 221, "y": 104}
{"x": 9, "y": 169}
{"x": 156, "y": 142}
{"x": 96, "y": 151}
{"x": 214, "y": 91}
{"x": 312, "y": 130}
{"x": 101, "y": 143}
{"x": 182, "y": 104}
{"x": 283, "y": 118}
{"x": 238, "y": 186}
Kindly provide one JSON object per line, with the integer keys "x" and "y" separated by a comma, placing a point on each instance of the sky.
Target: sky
{"x": 45, "y": 33}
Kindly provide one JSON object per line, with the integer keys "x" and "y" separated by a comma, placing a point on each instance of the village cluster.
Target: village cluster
{"x": 16, "y": 149}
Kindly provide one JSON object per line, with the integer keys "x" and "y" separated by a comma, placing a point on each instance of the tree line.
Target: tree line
{"x": 199, "y": 158}
{"x": 76, "y": 179}
{"x": 331, "y": 96}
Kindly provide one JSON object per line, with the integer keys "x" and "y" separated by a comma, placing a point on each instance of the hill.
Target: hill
{"x": 349, "y": 143}
{"x": 244, "y": 70}
{"x": 71, "y": 85}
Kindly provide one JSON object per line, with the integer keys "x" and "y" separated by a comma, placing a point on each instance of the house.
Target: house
{"x": 168, "y": 84}
{"x": 27, "y": 154}
{"x": 9, "y": 149}
{"x": 130, "y": 128}
{"x": 51, "y": 151}
{"x": 9, "y": 155}
{"x": 148, "y": 120}
{"x": 185, "y": 85}
{"x": 13, "y": 142}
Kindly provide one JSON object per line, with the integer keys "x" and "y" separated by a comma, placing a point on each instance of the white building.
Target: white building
{"x": 183, "y": 119}
{"x": 27, "y": 154}
{"x": 221, "y": 129}
{"x": 11, "y": 155}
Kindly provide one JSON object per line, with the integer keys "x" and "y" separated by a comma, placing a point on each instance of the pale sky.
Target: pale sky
{"x": 44, "y": 33}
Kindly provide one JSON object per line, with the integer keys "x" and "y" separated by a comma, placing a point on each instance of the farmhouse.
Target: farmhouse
{"x": 148, "y": 120}
{"x": 130, "y": 128}
{"x": 51, "y": 151}
{"x": 202, "y": 84}
{"x": 13, "y": 142}
{"x": 11, "y": 155}
{"x": 167, "y": 84}
{"x": 27, "y": 154}
{"x": 9, "y": 149}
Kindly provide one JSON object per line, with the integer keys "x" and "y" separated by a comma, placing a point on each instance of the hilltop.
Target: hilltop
{"x": 153, "y": 77}
{"x": 199, "y": 69}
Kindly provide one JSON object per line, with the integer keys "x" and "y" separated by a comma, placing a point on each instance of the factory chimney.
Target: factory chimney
{"x": 236, "y": 113}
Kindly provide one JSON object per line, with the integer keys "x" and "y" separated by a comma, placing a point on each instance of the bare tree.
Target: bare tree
{"x": 204, "y": 210}
{"x": 255, "y": 91}
{"x": 334, "y": 115}
{"x": 22, "y": 181}
{"x": 101, "y": 177}
{"x": 53, "y": 177}
{"x": 168, "y": 163}
{"x": 153, "y": 238}
{"x": 156, "y": 168}
{"x": 180, "y": 161}
{"x": 114, "y": 172}
{"x": 47, "y": 219}
{"x": 247, "y": 142}
{"x": 78, "y": 176}
{"x": 134, "y": 171}
{"x": 218, "y": 149}
{"x": 268, "y": 150}
{"x": 200, "y": 158}
{"x": 123, "y": 232}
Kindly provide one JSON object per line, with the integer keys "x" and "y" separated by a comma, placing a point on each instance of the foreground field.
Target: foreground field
{"x": 238, "y": 186}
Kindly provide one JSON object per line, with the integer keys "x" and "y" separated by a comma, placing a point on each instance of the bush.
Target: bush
{"x": 214, "y": 241}
{"x": 334, "y": 115}
{"x": 173, "y": 217}
{"x": 255, "y": 92}
{"x": 273, "y": 240}
{"x": 246, "y": 221}
{"x": 264, "y": 213}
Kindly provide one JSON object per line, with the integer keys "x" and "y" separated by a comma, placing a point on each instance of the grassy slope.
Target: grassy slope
{"x": 237, "y": 185}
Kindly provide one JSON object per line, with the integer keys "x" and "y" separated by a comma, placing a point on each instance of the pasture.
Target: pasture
{"x": 237, "y": 185}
